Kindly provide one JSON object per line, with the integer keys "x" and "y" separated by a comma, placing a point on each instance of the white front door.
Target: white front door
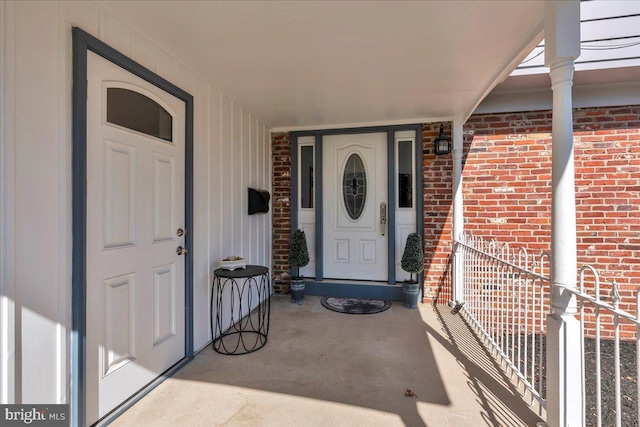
{"x": 355, "y": 198}
{"x": 135, "y": 205}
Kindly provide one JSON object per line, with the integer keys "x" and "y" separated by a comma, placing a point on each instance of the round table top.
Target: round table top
{"x": 238, "y": 273}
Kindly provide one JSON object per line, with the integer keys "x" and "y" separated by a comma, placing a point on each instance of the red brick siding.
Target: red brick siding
{"x": 507, "y": 187}
{"x": 281, "y": 186}
{"x": 437, "y": 197}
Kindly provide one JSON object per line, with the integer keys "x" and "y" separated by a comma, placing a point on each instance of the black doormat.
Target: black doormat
{"x": 355, "y": 305}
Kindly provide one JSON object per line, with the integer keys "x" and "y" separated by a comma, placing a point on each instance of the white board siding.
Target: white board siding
{"x": 234, "y": 176}
{"x": 234, "y": 149}
{"x": 600, "y": 21}
{"x": 7, "y": 203}
{"x": 36, "y": 196}
{"x": 39, "y": 161}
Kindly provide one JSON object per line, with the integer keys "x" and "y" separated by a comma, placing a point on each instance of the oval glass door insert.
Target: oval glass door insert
{"x": 354, "y": 186}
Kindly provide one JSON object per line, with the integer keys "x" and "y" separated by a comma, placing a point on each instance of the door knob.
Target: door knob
{"x": 182, "y": 250}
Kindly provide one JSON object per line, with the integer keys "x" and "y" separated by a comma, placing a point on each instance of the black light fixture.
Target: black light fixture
{"x": 442, "y": 144}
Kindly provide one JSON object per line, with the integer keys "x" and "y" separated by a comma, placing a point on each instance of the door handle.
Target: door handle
{"x": 182, "y": 250}
{"x": 383, "y": 218}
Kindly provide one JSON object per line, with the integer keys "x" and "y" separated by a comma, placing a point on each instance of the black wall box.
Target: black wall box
{"x": 258, "y": 201}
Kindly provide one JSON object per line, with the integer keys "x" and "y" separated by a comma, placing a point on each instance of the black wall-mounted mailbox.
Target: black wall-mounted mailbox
{"x": 258, "y": 201}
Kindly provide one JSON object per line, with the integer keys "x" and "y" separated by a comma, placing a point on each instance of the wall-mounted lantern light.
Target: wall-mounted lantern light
{"x": 442, "y": 144}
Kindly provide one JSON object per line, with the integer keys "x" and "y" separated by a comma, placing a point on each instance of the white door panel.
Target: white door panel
{"x": 164, "y": 202}
{"x": 119, "y": 349}
{"x": 355, "y": 185}
{"x": 120, "y": 194}
{"x": 135, "y": 279}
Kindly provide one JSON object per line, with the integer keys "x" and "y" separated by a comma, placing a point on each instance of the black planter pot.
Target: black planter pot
{"x": 297, "y": 291}
{"x": 411, "y": 292}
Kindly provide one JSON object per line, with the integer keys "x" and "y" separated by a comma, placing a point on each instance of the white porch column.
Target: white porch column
{"x": 457, "y": 225}
{"x": 564, "y": 373}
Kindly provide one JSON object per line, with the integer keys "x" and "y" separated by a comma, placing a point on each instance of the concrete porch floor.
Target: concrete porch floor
{"x": 321, "y": 368}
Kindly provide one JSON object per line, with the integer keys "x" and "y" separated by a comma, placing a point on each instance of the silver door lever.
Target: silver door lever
{"x": 383, "y": 218}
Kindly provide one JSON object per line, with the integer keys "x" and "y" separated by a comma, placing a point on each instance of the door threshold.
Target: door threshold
{"x": 354, "y": 289}
{"x": 351, "y": 282}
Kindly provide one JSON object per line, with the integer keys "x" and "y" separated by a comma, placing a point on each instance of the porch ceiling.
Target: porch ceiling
{"x": 325, "y": 64}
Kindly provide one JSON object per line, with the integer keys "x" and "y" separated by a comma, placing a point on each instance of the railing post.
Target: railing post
{"x": 458, "y": 215}
{"x": 564, "y": 370}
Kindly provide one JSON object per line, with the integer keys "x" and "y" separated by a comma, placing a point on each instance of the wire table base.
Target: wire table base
{"x": 241, "y": 300}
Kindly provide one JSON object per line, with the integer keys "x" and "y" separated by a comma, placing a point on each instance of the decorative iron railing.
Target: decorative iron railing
{"x": 607, "y": 318}
{"x": 506, "y": 296}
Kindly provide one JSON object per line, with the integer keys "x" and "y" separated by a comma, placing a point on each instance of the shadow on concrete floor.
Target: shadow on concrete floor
{"x": 330, "y": 369}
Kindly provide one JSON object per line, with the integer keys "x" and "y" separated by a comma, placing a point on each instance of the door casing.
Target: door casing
{"x": 83, "y": 42}
{"x": 391, "y": 184}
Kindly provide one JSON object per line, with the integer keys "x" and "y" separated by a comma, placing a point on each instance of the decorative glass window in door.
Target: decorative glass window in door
{"x": 354, "y": 186}
{"x": 306, "y": 177}
{"x": 405, "y": 174}
{"x": 133, "y": 110}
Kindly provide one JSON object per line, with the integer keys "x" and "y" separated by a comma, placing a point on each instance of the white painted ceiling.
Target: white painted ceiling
{"x": 315, "y": 64}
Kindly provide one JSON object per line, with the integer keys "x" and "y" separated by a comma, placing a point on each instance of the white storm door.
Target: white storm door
{"x": 135, "y": 205}
{"x": 355, "y": 198}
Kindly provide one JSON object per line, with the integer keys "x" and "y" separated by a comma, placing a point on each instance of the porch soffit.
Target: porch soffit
{"x": 317, "y": 64}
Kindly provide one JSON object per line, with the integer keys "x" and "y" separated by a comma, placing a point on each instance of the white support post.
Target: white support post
{"x": 458, "y": 213}
{"x": 564, "y": 369}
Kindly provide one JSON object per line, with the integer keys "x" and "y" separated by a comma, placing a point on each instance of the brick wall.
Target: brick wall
{"x": 281, "y": 187}
{"x": 437, "y": 198}
{"x": 507, "y": 187}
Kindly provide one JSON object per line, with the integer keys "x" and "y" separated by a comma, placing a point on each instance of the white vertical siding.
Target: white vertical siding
{"x": 262, "y": 142}
{"x": 237, "y": 148}
{"x": 115, "y": 34}
{"x": 7, "y": 203}
{"x": 215, "y": 189}
{"x": 223, "y": 166}
{"x": 202, "y": 224}
{"x": 231, "y": 152}
{"x": 245, "y": 159}
{"x": 234, "y": 177}
{"x": 38, "y": 166}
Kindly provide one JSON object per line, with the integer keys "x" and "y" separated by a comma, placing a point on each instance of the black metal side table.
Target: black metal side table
{"x": 242, "y": 309}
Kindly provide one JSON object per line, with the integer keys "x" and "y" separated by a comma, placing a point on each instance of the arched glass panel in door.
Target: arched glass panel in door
{"x": 354, "y": 186}
{"x": 137, "y": 112}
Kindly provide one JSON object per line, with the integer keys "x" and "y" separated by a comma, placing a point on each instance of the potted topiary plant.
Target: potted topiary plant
{"x": 298, "y": 257}
{"x": 413, "y": 263}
